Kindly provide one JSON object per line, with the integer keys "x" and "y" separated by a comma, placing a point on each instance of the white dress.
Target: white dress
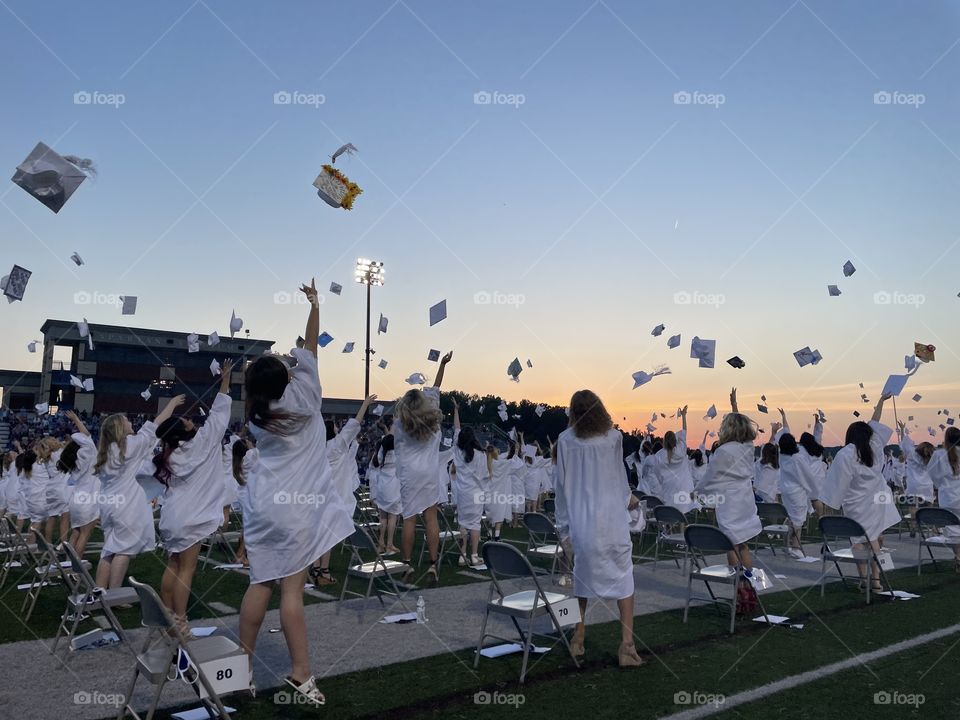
{"x": 192, "y": 503}
{"x": 444, "y": 483}
{"x": 417, "y": 464}
{"x": 250, "y": 460}
{"x": 472, "y": 485}
{"x": 592, "y": 498}
{"x": 674, "y": 477}
{"x": 948, "y": 487}
{"x": 729, "y": 478}
{"x": 33, "y": 494}
{"x": 766, "y": 482}
{"x": 919, "y": 482}
{"x": 499, "y": 506}
{"x": 125, "y": 514}
{"x": 535, "y": 477}
{"x": 292, "y": 514}
{"x": 815, "y": 471}
{"x": 517, "y": 478}
{"x": 84, "y": 502}
{"x": 56, "y": 490}
{"x": 228, "y": 495}
{"x": 648, "y": 482}
{"x": 6, "y": 480}
{"x": 796, "y": 487}
{"x": 387, "y": 494}
{"x": 12, "y": 491}
{"x": 860, "y": 490}
{"x": 342, "y": 454}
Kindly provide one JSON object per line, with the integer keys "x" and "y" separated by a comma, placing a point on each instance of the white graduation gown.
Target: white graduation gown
{"x": 84, "y": 502}
{"x": 815, "y": 470}
{"x": 472, "y": 485}
{"x": 592, "y": 498}
{"x": 56, "y": 491}
{"x": 674, "y": 477}
{"x": 919, "y": 482}
{"x": 520, "y": 469}
{"x": 766, "y": 482}
{"x": 193, "y": 500}
{"x": 125, "y": 514}
{"x": 342, "y": 453}
{"x": 948, "y": 486}
{"x": 499, "y": 505}
{"x": 292, "y": 513}
{"x": 729, "y": 478}
{"x": 861, "y": 491}
{"x": 33, "y": 494}
{"x": 796, "y": 487}
{"x": 535, "y": 477}
{"x": 417, "y": 464}
{"x": 387, "y": 494}
{"x": 6, "y": 482}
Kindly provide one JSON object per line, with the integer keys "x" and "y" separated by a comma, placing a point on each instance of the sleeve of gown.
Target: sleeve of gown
{"x": 818, "y": 433}
{"x": 618, "y": 449}
{"x": 838, "y": 477}
{"x": 210, "y": 435}
{"x": 682, "y": 442}
{"x": 305, "y": 381}
{"x": 560, "y": 508}
{"x": 141, "y": 444}
{"x": 342, "y": 440}
{"x": 906, "y": 445}
{"x": 87, "y": 454}
{"x": 939, "y": 468}
{"x": 879, "y": 439}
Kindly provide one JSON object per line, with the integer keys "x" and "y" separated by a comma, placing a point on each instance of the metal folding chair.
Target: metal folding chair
{"x": 164, "y": 648}
{"x": 670, "y": 524}
{"x": 707, "y": 539}
{"x": 773, "y": 517}
{"x": 376, "y": 569}
{"x": 20, "y": 553}
{"x": 543, "y": 539}
{"x": 448, "y": 539}
{"x": 85, "y": 597}
{"x": 839, "y": 527}
{"x": 933, "y": 520}
{"x": 506, "y": 562}
{"x": 48, "y": 570}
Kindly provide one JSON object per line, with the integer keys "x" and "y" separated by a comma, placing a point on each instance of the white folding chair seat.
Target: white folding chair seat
{"x": 378, "y": 568}
{"x": 523, "y": 601}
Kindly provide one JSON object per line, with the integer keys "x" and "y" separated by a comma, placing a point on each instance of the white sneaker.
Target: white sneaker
{"x": 309, "y": 690}
{"x": 476, "y": 560}
{"x": 795, "y": 553}
{"x": 565, "y": 580}
{"x": 462, "y": 562}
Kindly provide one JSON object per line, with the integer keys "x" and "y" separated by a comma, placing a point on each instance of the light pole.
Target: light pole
{"x": 369, "y": 273}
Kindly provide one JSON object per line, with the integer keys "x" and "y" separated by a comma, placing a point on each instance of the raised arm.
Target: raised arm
{"x": 733, "y": 400}
{"x": 167, "y": 411}
{"x": 783, "y": 420}
{"x": 312, "y": 333}
{"x": 443, "y": 365}
{"x": 878, "y": 410}
{"x": 363, "y": 407}
{"x": 817, "y": 428}
{"x": 225, "y": 370}
{"x": 77, "y": 423}
{"x": 456, "y": 410}
{"x": 683, "y": 418}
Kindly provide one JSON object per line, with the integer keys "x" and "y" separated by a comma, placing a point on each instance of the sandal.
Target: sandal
{"x": 308, "y": 689}
{"x": 324, "y": 578}
{"x": 433, "y": 578}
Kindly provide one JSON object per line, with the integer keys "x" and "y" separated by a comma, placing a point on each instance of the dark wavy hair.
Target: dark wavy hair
{"x": 770, "y": 455}
{"x": 858, "y": 435}
{"x": 237, "y": 452}
{"x": 951, "y": 439}
{"x": 171, "y": 433}
{"x": 468, "y": 444}
{"x": 264, "y": 381}
{"x": 68, "y": 457}
{"x": 788, "y": 444}
{"x": 810, "y": 444}
{"x": 588, "y": 417}
{"x": 386, "y": 444}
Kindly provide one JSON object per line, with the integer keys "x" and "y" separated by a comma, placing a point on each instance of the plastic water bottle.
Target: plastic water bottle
{"x": 421, "y": 610}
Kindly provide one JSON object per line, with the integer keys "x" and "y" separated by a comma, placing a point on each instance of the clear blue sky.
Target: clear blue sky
{"x": 596, "y": 199}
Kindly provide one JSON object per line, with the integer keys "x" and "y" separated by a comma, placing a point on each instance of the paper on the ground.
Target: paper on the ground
{"x": 204, "y": 631}
{"x": 807, "y": 559}
{"x": 902, "y": 594}
{"x": 402, "y": 617}
{"x": 774, "y": 619}
{"x": 481, "y": 566}
{"x": 508, "y": 649}
{"x": 229, "y": 566}
{"x": 27, "y": 586}
{"x": 780, "y": 577}
{"x": 797, "y": 626}
{"x": 200, "y": 713}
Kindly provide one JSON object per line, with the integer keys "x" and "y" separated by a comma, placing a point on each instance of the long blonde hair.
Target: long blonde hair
{"x": 417, "y": 415}
{"x": 112, "y": 431}
{"x": 588, "y": 416}
{"x": 45, "y": 448}
{"x": 736, "y": 428}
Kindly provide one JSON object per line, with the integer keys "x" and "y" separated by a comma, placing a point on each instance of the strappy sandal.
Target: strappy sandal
{"x": 433, "y": 577}
{"x": 308, "y": 689}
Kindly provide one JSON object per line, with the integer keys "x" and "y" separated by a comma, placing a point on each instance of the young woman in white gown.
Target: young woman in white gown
{"x": 766, "y": 477}
{"x": 245, "y": 458}
{"x": 945, "y": 473}
{"x": 729, "y": 477}
{"x": 125, "y": 514}
{"x": 855, "y": 483}
{"x": 31, "y": 491}
{"x": 593, "y": 499}
{"x": 918, "y": 456}
{"x": 56, "y": 490}
{"x": 385, "y": 489}
{"x": 77, "y": 459}
{"x": 472, "y": 486}
{"x": 797, "y": 486}
{"x": 190, "y": 467}
{"x": 292, "y": 512}
{"x": 498, "y": 504}
{"x": 672, "y": 469}
{"x": 416, "y": 431}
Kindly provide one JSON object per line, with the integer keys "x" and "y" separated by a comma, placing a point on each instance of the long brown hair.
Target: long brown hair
{"x": 239, "y": 451}
{"x": 951, "y": 439}
{"x": 588, "y": 417}
{"x": 110, "y": 432}
{"x": 265, "y": 380}
{"x": 669, "y": 443}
